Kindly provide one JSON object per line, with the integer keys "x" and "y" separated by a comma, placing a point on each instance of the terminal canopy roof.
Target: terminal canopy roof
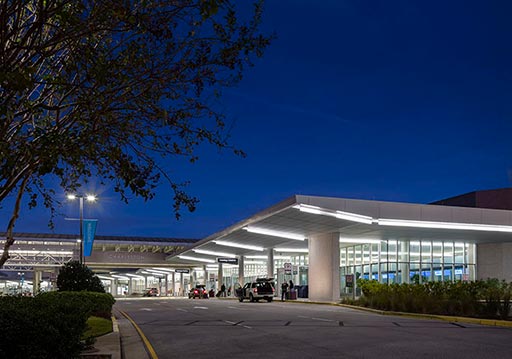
{"x": 287, "y": 226}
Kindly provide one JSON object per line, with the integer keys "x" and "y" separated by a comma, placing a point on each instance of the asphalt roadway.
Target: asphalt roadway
{"x": 224, "y": 328}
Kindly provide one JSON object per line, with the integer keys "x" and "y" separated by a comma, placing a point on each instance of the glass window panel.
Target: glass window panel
{"x": 343, "y": 257}
{"x": 437, "y": 252}
{"x": 459, "y": 253}
{"x": 458, "y": 273}
{"x": 366, "y": 272}
{"x": 375, "y": 252}
{"x": 383, "y": 251}
{"x": 448, "y": 252}
{"x": 350, "y": 256}
{"x": 414, "y": 250}
{"x": 384, "y": 272}
{"x": 359, "y": 271}
{"x": 403, "y": 251}
{"x": 366, "y": 253}
{"x": 358, "y": 254}
{"x": 447, "y": 273}
{"x": 437, "y": 273}
{"x": 375, "y": 271}
{"x": 425, "y": 251}
{"x": 392, "y": 249}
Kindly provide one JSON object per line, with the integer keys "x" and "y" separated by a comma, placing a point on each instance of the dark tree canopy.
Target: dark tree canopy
{"x": 75, "y": 277}
{"x": 112, "y": 90}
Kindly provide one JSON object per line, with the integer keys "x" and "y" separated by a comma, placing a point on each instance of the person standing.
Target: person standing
{"x": 284, "y": 290}
{"x": 223, "y": 290}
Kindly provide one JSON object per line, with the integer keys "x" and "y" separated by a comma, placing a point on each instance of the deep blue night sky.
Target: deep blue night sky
{"x": 388, "y": 100}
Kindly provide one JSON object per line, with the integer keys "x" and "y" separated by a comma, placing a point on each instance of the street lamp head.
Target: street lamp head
{"x": 88, "y": 197}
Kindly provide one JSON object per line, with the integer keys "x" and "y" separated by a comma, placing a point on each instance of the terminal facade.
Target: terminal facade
{"x": 319, "y": 243}
{"x": 328, "y": 241}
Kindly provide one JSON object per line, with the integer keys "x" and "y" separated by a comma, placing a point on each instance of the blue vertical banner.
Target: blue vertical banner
{"x": 89, "y": 232}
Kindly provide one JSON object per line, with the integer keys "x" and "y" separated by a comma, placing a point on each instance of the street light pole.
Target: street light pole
{"x": 81, "y": 229}
{"x": 90, "y": 198}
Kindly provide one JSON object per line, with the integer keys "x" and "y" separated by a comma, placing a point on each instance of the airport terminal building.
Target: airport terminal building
{"x": 324, "y": 242}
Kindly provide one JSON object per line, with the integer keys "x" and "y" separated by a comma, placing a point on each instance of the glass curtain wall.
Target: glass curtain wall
{"x": 392, "y": 261}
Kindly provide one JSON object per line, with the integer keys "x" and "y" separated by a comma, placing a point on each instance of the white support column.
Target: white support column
{"x": 167, "y": 285}
{"x": 130, "y": 286}
{"x": 220, "y": 277}
{"x": 241, "y": 275}
{"x": 36, "y": 283}
{"x": 173, "y": 279}
{"x": 270, "y": 263}
{"x": 182, "y": 285}
{"x": 324, "y": 267}
{"x": 113, "y": 284}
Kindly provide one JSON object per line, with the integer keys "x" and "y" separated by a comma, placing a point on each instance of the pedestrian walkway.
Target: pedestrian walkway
{"x": 123, "y": 343}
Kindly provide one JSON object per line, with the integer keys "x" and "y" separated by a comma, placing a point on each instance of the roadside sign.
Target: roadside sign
{"x": 227, "y": 260}
{"x": 182, "y": 270}
{"x": 349, "y": 280}
{"x": 287, "y": 268}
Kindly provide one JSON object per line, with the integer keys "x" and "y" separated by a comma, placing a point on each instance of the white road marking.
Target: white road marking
{"x": 322, "y": 319}
{"x": 182, "y": 310}
{"x": 246, "y": 326}
{"x": 200, "y": 307}
{"x": 229, "y": 322}
{"x": 147, "y": 309}
{"x": 237, "y": 308}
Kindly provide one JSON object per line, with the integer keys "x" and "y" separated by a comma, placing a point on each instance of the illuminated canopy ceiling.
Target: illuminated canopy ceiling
{"x": 287, "y": 226}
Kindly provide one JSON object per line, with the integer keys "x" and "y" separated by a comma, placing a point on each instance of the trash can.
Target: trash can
{"x": 292, "y": 294}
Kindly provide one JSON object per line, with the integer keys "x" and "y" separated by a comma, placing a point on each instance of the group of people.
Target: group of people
{"x": 284, "y": 289}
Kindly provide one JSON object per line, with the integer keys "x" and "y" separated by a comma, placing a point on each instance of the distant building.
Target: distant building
{"x": 493, "y": 199}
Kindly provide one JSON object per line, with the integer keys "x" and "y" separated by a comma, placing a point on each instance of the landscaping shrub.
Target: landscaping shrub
{"x": 75, "y": 276}
{"x": 489, "y": 299}
{"x": 34, "y": 328}
{"x": 49, "y": 325}
{"x": 96, "y": 304}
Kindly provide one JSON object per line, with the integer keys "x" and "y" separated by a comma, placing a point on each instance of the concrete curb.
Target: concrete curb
{"x": 144, "y": 341}
{"x": 447, "y": 318}
{"x": 107, "y": 346}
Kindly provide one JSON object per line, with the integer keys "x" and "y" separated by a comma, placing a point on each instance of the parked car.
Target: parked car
{"x": 198, "y": 292}
{"x": 262, "y": 288}
{"x": 151, "y": 292}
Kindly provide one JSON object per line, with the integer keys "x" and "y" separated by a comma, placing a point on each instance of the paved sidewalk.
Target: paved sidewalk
{"x": 123, "y": 343}
{"x": 132, "y": 346}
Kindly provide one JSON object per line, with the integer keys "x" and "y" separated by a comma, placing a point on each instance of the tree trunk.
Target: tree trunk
{"x": 15, "y": 214}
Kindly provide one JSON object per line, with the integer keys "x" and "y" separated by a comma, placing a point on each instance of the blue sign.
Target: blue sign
{"x": 89, "y": 231}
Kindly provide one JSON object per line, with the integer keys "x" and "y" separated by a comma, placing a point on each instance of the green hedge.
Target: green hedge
{"x": 49, "y": 325}
{"x": 486, "y": 299}
{"x": 96, "y": 304}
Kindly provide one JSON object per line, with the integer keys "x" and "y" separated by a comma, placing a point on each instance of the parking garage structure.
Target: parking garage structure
{"x": 126, "y": 265}
{"x": 322, "y": 242}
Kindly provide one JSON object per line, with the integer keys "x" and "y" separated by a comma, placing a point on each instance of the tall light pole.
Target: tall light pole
{"x": 89, "y": 198}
